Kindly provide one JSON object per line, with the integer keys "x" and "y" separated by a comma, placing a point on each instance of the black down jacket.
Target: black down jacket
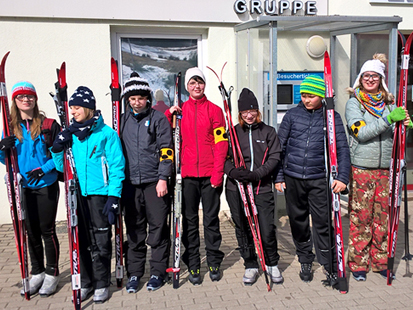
{"x": 302, "y": 140}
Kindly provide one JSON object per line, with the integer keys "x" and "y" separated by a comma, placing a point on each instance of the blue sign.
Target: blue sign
{"x": 295, "y": 78}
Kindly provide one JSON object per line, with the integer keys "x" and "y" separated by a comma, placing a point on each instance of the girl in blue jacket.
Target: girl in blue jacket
{"x": 100, "y": 166}
{"x": 40, "y": 185}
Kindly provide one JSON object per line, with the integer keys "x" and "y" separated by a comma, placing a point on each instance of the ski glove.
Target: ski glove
{"x": 398, "y": 114}
{"x": 34, "y": 176}
{"x": 61, "y": 140}
{"x": 111, "y": 209}
{"x": 239, "y": 174}
{"x": 7, "y": 143}
{"x": 252, "y": 176}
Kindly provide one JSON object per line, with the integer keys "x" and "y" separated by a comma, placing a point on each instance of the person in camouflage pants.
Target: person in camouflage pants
{"x": 371, "y": 115}
{"x": 368, "y": 202}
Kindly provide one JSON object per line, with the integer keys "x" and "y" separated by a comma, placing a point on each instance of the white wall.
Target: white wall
{"x": 36, "y": 50}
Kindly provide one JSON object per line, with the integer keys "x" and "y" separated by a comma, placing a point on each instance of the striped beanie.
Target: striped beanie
{"x": 23, "y": 88}
{"x": 136, "y": 86}
{"x": 314, "y": 85}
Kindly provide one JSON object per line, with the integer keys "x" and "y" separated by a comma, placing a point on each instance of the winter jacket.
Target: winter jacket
{"x": 204, "y": 140}
{"x": 302, "y": 140}
{"x": 99, "y": 161}
{"x": 370, "y": 138}
{"x": 259, "y": 144}
{"x": 144, "y": 138}
{"x": 32, "y": 154}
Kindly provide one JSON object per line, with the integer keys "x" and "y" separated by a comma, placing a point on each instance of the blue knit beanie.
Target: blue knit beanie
{"x": 83, "y": 97}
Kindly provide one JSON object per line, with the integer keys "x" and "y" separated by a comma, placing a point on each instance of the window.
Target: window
{"x": 158, "y": 60}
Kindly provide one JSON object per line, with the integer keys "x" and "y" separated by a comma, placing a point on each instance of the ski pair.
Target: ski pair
{"x": 13, "y": 181}
{"x": 331, "y": 167}
{"x": 177, "y": 200}
{"x": 239, "y": 162}
{"x": 116, "y": 112}
{"x": 397, "y": 164}
{"x": 72, "y": 189}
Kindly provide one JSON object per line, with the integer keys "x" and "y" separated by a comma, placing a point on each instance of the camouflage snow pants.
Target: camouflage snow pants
{"x": 368, "y": 210}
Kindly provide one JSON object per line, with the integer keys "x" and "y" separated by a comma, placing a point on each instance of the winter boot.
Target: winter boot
{"x": 132, "y": 285}
{"x": 49, "y": 286}
{"x": 101, "y": 295}
{"x": 275, "y": 274}
{"x": 250, "y": 276}
{"x": 214, "y": 274}
{"x": 306, "y": 273}
{"x": 195, "y": 277}
{"x": 35, "y": 283}
{"x": 154, "y": 283}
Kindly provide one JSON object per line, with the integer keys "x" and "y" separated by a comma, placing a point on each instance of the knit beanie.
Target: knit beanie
{"x": 374, "y": 65}
{"x": 83, "y": 97}
{"x": 136, "y": 86}
{"x": 247, "y": 101}
{"x": 314, "y": 85}
{"x": 192, "y": 72}
{"x": 23, "y": 88}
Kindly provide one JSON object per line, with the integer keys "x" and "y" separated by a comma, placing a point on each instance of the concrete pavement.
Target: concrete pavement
{"x": 229, "y": 293}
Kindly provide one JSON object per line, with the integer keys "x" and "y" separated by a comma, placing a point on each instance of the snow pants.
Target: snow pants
{"x": 144, "y": 208}
{"x": 95, "y": 235}
{"x": 41, "y": 207}
{"x": 195, "y": 190}
{"x": 266, "y": 209}
{"x": 368, "y": 204}
{"x": 305, "y": 197}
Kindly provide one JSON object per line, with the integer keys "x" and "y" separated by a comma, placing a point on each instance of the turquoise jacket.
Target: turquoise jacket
{"x": 32, "y": 154}
{"x": 99, "y": 161}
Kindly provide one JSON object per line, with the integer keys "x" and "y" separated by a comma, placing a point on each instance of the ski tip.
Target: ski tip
{"x": 5, "y": 57}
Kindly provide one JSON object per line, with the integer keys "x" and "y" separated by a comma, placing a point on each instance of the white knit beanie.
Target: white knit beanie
{"x": 190, "y": 73}
{"x": 374, "y": 65}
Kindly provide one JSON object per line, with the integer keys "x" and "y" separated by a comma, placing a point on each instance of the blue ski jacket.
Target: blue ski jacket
{"x": 99, "y": 161}
{"x": 32, "y": 154}
{"x": 302, "y": 140}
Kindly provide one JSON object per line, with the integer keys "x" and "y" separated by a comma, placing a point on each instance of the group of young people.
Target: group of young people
{"x": 133, "y": 169}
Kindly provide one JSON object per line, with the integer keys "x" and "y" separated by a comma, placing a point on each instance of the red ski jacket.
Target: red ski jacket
{"x": 204, "y": 143}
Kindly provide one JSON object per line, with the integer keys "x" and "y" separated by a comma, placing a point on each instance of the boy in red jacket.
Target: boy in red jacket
{"x": 204, "y": 149}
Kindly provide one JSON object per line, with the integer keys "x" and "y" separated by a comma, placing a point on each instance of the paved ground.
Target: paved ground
{"x": 229, "y": 293}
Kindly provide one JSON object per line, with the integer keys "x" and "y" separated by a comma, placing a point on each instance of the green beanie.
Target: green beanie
{"x": 314, "y": 85}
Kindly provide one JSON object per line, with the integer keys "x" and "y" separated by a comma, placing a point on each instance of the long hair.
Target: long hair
{"x": 16, "y": 119}
{"x": 242, "y": 122}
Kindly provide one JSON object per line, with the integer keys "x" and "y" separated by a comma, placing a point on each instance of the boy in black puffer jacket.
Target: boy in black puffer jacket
{"x": 302, "y": 174}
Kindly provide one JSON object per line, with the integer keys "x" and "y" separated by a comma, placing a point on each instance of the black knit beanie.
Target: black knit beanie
{"x": 247, "y": 101}
{"x": 136, "y": 86}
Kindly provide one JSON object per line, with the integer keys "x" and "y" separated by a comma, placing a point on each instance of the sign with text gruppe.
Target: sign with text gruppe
{"x": 273, "y": 7}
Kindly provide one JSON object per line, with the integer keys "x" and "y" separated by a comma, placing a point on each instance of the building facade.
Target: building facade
{"x": 159, "y": 38}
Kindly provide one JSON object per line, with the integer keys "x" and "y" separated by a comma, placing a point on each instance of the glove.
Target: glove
{"x": 34, "y": 176}
{"x": 61, "y": 140}
{"x": 111, "y": 209}
{"x": 7, "y": 143}
{"x": 239, "y": 174}
{"x": 252, "y": 176}
{"x": 398, "y": 114}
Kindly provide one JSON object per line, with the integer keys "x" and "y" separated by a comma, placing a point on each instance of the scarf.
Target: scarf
{"x": 373, "y": 103}
{"x": 82, "y": 130}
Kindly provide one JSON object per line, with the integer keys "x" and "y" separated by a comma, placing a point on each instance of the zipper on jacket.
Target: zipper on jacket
{"x": 251, "y": 149}
{"x": 196, "y": 139}
{"x": 380, "y": 148}
{"x": 93, "y": 152}
{"x": 307, "y": 144}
